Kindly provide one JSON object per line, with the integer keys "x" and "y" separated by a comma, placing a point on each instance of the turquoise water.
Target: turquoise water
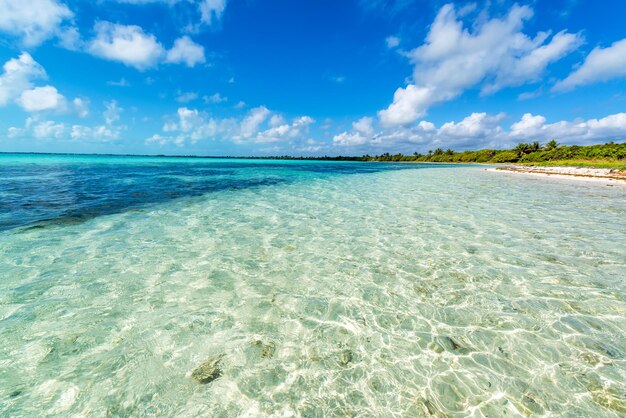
{"x": 319, "y": 289}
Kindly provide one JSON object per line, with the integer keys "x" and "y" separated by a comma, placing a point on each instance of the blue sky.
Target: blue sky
{"x": 252, "y": 77}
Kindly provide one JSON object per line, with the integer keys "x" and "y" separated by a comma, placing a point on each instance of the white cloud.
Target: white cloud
{"x": 17, "y": 77}
{"x": 285, "y": 131}
{"x": 189, "y": 119}
{"x": 130, "y": 45}
{"x": 364, "y": 126}
{"x": 187, "y": 97}
{"x": 240, "y": 104}
{"x": 531, "y": 66}
{"x": 392, "y": 41}
{"x": 495, "y": 53}
{"x": 36, "y": 128}
{"x": 259, "y": 125}
{"x": 362, "y": 131}
{"x": 276, "y": 120}
{"x": 185, "y": 51}
{"x": 534, "y": 127}
{"x": 527, "y": 126}
{"x": 476, "y": 125}
{"x": 122, "y": 82}
{"x": 481, "y": 130}
{"x": 215, "y": 98}
{"x": 250, "y": 124}
{"x": 69, "y": 38}
{"x": 81, "y": 107}
{"x": 408, "y": 104}
{"x": 350, "y": 139}
{"x": 211, "y": 11}
{"x": 16, "y": 84}
{"x": 99, "y": 133}
{"x": 48, "y": 129}
{"x": 528, "y": 95}
{"x": 112, "y": 112}
{"x": 126, "y": 44}
{"x": 42, "y": 98}
{"x": 33, "y": 21}
{"x": 208, "y": 12}
{"x": 601, "y": 64}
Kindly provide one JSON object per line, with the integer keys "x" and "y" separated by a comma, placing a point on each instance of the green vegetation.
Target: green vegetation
{"x": 609, "y": 155}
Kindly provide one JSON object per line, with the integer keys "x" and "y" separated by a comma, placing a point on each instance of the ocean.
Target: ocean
{"x": 147, "y": 286}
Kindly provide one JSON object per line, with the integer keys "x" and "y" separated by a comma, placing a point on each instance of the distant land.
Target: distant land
{"x": 609, "y": 155}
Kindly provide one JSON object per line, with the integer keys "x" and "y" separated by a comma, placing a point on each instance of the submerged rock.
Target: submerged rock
{"x": 209, "y": 370}
{"x": 267, "y": 349}
{"x": 455, "y": 345}
{"x": 345, "y": 357}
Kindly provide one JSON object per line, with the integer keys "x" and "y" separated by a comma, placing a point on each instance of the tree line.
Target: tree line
{"x": 522, "y": 153}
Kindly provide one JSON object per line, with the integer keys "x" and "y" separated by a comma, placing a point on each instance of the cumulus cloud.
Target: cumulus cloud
{"x": 185, "y": 51}
{"x": 32, "y": 21}
{"x": 18, "y": 76}
{"x": 35, "y": 127}
{"x": 42, "y": 98}
{"x": 98, "y": 133}
{"x": 259, "y": 125}
{"x": 250, "y": 124}
{"x": 612, "y": 127}
{"x": 285, "y": 131}
{"x": 128, "y": 44}
{"x": 481, "y": 130}
{"x": 17, "y": 85}
{"x": 38, "y": 129}
{"x": 602, "y": 64}
{"x": 362, "y": 131}
{"x": 350, "y": 138}
{"x": 495, "y": 54}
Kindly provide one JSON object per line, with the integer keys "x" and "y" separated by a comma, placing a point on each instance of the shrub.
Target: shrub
{"x": 505, "y": 157}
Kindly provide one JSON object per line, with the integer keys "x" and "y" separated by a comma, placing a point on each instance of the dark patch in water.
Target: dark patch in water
{"x": 40, "y": 195}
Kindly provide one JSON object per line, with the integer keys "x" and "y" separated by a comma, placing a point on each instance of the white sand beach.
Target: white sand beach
{"x": 600, "y": 175}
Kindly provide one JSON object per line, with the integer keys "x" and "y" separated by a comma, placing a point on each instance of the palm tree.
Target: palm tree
{"x": 552, "y": 144}
{"x": 522, "y": 148}
{"x": 535, "y": 146}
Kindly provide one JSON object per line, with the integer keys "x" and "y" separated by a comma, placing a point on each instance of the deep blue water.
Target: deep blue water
{"x": 42, "y": 190}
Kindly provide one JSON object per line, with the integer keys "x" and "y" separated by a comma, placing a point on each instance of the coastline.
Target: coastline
{"x": 604, "y": 175}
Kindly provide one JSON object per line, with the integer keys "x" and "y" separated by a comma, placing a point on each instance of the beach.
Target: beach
{"x": 604, "y": 176}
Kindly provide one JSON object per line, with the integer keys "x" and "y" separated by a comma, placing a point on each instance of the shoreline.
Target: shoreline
{"x": 604, "y": 175}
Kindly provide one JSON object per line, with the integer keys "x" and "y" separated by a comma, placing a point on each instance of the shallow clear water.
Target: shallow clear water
{"x": 335, "y": 289}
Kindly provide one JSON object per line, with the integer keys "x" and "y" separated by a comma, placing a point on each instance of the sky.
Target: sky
{"x": 308, "y": 77}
